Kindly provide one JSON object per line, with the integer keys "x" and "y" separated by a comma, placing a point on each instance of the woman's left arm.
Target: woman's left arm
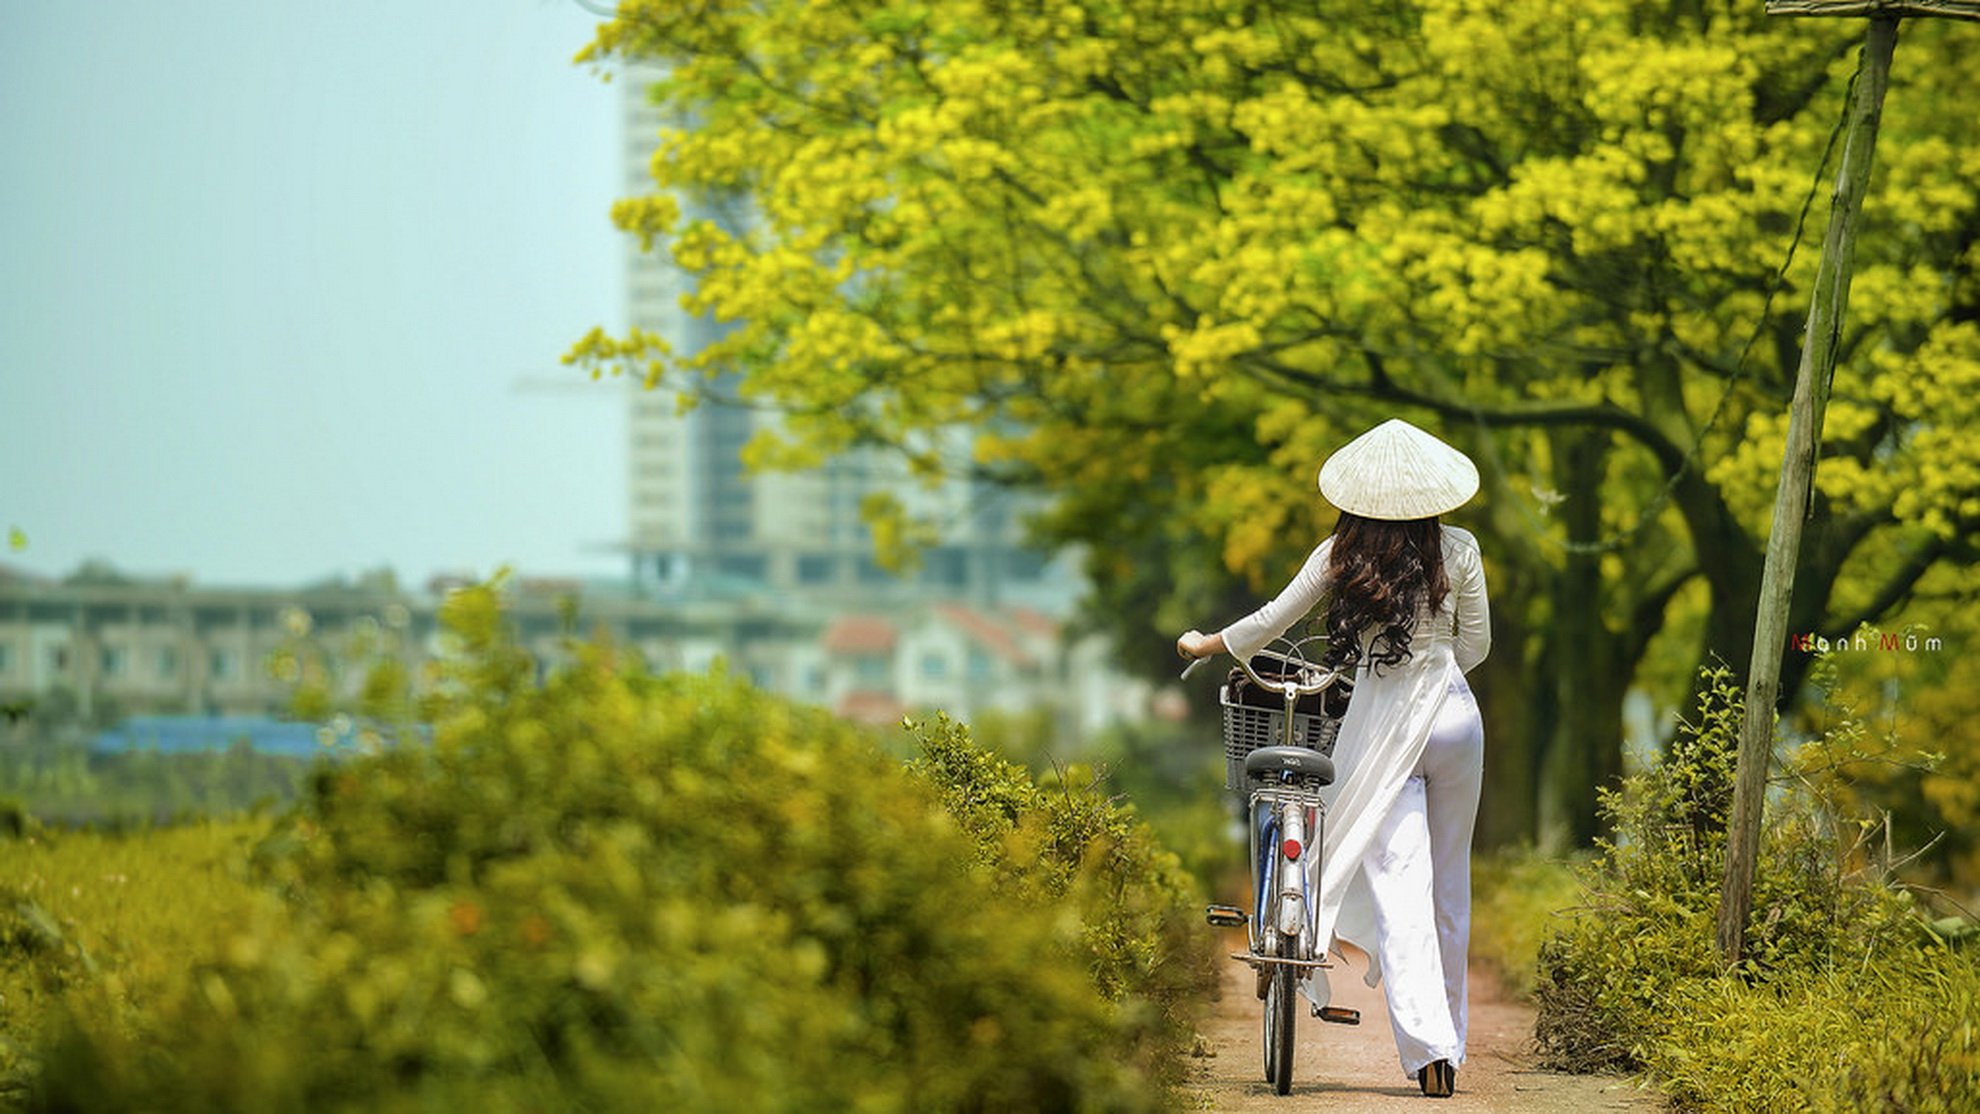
{"x": 1250, "y": 634}
{"x": 1473, "y": 639}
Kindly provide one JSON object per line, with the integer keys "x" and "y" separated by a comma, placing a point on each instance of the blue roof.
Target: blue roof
{"x": 191, "y": 734}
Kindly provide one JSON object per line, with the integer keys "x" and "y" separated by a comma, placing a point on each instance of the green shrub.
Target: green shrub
{"x": 1172, "y": 776}
{"x": 1842, "y": 992}
{"x": 16, "y": 822}
{"x": 1067, "y": 843}
{"x": 64, "y": 783}
{"x": 614, "y": 892}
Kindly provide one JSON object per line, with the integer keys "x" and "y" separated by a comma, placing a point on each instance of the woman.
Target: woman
{"x": 1406, "y": 610}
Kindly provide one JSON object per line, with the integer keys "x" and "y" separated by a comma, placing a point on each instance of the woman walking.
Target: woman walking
{"x": 1406, "y": 611}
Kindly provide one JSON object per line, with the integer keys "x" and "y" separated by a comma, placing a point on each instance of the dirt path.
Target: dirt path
{"x": 1354, "y": 1067}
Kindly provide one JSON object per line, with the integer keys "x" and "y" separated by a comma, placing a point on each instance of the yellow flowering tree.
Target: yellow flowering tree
{"x": 1163, "y": 255}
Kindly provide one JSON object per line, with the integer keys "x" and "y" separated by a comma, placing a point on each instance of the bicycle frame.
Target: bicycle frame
{"x": 1286, "y": 818}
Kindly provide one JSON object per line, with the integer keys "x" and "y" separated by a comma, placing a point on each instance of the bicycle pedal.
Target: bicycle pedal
{"x": 1339, "y": 1015}
{"x": 1225, "y": 916}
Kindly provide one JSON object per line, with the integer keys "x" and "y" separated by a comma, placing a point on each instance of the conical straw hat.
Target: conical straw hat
{"x": 1398, "y": 472}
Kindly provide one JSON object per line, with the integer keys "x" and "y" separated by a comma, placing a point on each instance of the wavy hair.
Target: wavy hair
{"x": 1384, "y": 574}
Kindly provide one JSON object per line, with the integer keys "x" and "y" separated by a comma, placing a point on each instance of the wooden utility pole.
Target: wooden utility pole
{"x": 1811, "y": 398}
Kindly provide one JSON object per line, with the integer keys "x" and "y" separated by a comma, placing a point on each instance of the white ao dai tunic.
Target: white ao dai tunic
{"x": 1396, "y": 874}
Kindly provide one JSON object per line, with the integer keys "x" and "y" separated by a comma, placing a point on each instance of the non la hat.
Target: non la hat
{"x": 1398, "y": 472}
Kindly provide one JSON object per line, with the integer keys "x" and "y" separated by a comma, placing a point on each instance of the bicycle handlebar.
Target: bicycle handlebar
{"x": 1288, "y": 687}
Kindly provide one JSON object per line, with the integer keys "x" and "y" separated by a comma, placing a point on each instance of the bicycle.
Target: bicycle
{"x": 1278, "y": 753}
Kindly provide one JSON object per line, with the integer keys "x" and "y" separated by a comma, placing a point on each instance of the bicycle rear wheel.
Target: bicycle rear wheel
{"x": 1281, "y": 1011}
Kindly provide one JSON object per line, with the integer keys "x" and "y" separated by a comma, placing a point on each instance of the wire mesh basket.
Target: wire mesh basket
{"x": 1256, "y": 718}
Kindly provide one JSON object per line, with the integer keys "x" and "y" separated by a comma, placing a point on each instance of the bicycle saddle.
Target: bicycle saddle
{"x": 1299, "y": 761}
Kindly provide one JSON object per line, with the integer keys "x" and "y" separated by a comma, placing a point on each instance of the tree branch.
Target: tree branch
{"x": 1896, "y": 588}
{"x": 1544, "y": 415}
{"x": 1647, "y": 617}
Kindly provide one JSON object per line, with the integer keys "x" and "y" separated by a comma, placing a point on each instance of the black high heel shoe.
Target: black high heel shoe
{"x": 1438, "y": 1079}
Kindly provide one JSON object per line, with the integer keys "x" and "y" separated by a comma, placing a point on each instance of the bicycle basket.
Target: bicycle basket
{"x": 1256, "y": 718}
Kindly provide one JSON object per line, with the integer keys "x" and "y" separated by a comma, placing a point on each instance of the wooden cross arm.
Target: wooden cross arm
{"x": 1888, "y": 9}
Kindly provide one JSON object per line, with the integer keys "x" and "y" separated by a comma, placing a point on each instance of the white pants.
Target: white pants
{"x": 1419, "y": 874}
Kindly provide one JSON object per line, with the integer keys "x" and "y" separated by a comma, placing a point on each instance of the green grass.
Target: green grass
{"x": 1519, "y": 898}
{"x": 104, "y": 925}
{"x": 1899, "y": 1033}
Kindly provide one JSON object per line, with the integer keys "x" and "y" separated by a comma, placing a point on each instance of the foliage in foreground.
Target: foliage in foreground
{"x": 614, "y": 892}
{"x": 1847, "y": 1000}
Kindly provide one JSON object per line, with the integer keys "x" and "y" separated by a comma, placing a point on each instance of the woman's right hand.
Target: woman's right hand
{"x": 1194, "y": 644}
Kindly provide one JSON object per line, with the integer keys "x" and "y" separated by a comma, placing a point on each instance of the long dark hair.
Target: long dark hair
{"x": 1384, "y": 572}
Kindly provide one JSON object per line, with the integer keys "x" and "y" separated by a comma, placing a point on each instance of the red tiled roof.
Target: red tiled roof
{"x": 860, "y": 634}
{"x": 875, "y": 709}
{"x": 987, "y": 632}
{"x": 1034, "y": 622}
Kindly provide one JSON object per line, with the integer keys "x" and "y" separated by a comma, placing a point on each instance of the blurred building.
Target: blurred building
{"x": 97, "y": 646}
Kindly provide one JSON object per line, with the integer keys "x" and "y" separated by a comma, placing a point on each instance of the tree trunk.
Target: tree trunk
{"x": 1515, "y": 721}
{"x": 1585, "y": 748}
{"x": 1516, "y": 704}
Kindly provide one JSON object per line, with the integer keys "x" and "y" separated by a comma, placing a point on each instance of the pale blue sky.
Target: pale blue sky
{"x": 272, "y": 271}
